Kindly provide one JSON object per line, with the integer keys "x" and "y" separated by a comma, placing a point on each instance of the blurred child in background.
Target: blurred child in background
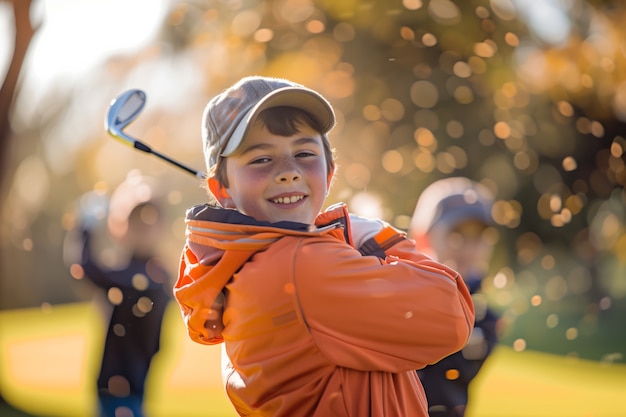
{"x": 452, "y": 222}
{"x": 137, "y": 292}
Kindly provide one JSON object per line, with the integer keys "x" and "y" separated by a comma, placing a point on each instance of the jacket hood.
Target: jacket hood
{"x": 218, "y": 242}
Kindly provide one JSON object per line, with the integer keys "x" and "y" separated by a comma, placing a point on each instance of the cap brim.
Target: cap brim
{"x": 452, "y": 217}
{"x": 297, "y": 97}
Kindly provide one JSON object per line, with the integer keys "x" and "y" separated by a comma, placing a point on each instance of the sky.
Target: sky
{"x": 546, "y": 18}
{"x": 77, "y": 35}
{"x": 6, "y": 31}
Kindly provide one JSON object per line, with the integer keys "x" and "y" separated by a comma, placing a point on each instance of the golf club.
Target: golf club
{"x": 122, "y": 111}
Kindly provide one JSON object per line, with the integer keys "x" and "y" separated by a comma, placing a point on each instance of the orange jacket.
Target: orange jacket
{"x": 312, "y": 327}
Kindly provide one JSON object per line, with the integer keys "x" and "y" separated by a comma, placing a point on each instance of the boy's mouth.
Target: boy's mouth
{"x": 287, "y": 200}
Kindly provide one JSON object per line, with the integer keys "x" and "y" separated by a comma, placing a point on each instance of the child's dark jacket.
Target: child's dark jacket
{"x": 311, "y": 326}
{"x": 143, "y": 283}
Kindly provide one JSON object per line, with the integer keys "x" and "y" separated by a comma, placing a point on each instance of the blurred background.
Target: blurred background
{"x": 527, "y": 97}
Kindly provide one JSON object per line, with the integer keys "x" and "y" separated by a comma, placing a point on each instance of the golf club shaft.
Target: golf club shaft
{"x": 140, "y": 146}
{"x": 197, "y": 174}
{"x": 137, "y": 144}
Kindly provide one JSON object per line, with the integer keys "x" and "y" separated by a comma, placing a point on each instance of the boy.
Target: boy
{"x": 137, "y": 294}
{"x": 320, "y": 314}
{"x": 452, "y": 219}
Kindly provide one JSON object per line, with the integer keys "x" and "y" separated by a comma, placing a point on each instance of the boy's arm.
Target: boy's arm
{"x": 91, "y": 268}
{"x": 376, "y": 237}
{"x": 394, "y": 314}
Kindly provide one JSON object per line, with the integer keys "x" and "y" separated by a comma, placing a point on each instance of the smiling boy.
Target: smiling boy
{"x": 321, "y": 314}
{"x": 277, "y": 178}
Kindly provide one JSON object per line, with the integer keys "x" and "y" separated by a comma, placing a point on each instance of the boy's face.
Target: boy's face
{"x": 467, "y": 248}
{"x": 276, "y": 178}
{"x": 144, "y": 228}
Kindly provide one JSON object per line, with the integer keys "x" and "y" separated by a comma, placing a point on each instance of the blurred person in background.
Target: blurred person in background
{"x": 452, "y": 222}
{"x": 137, "y": 291}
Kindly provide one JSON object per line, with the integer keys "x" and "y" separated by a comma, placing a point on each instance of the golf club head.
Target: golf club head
{"x": 123, "y": 110}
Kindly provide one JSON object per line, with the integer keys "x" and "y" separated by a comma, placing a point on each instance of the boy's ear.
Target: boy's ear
{"x": 329, "y": 179}
{"x": 219, "y": 192}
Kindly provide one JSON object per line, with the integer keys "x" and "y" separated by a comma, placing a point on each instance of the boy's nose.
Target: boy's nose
{"x": 288, "y": 176}
{"x": 287, "y": 172}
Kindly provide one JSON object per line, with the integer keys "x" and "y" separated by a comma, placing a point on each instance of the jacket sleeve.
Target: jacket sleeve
{"x": 395, "y": 314}
{"x": 93, "y": 271}
{"x": 198, "y": 290}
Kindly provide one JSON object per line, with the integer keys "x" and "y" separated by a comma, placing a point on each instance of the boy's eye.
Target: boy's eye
{"x": 261, "y": 160}
{"x": 267, "y": 159}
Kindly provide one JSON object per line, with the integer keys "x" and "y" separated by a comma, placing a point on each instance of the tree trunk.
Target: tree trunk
{"x": 24, "y": 32}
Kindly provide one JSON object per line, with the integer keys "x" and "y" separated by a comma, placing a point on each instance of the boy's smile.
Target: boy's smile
{"x": 276, "y": 178}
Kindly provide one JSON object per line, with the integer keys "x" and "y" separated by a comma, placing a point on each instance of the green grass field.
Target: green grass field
{"x": 49, "y": 362}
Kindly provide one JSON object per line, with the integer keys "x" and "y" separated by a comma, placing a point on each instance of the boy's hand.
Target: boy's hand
{"x": 362, "y": 229}
{"x": 93, "y": 209}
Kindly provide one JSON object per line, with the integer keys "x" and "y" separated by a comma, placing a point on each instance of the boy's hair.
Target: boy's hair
{"x": 146, "y": 214}
{"x": 282, "y": 121}
{"x": 129, "y": 198}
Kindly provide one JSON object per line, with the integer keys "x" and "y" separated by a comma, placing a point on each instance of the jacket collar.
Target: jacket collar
{"x": 335, "y": 216}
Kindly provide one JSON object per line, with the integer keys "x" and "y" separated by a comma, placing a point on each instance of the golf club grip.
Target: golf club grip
{"x": 142, "y": 146}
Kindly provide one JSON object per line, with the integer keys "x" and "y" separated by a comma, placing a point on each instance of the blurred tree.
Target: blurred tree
{"x": 423, "y": 90}
{"x": 24, "y": 32}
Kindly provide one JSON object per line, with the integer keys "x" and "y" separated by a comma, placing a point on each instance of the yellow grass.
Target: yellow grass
{"x": 49, "y": 362}
{"x": 523, "y": 384}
